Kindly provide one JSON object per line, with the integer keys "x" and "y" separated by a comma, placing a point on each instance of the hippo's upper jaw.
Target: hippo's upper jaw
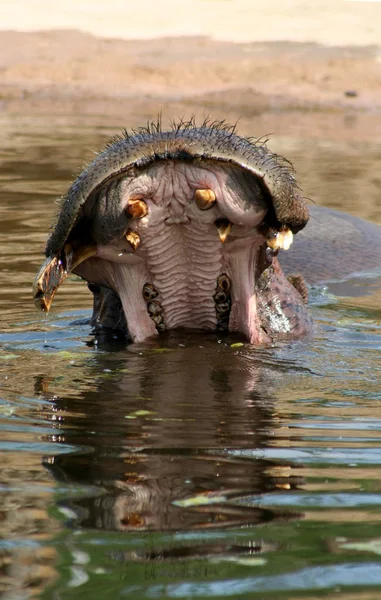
{"x": 181, "y": 229}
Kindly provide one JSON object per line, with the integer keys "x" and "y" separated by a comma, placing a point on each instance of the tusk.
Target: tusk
{"x": 205, "y": 199}
{"x": 280, "y": 239}
{"x": 53, "y": 272}
{"x": 133, "y": 239}
{"x": 137, "y": 208}
{"x": 224, "y": 228}
{"x": 47, "y": 282}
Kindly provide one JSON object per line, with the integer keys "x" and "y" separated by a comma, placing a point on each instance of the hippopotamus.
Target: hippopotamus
{"x": 191, "y": 228}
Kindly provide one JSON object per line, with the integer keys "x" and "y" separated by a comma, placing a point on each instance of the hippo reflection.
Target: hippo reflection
{"x": 168, "y": 456}
{"x": 182, "y": 229}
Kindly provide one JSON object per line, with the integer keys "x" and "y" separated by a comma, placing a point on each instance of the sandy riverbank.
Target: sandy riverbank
{"x": 233, "y": 59}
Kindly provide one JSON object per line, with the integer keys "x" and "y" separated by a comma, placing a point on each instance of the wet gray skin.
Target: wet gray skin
{"x": 182, "y": 229}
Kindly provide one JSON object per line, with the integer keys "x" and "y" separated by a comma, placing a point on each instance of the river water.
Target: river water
{"x": 193, "y": 466}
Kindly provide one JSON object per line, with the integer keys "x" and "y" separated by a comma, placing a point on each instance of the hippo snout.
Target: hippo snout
{"x": 182, "y": 228}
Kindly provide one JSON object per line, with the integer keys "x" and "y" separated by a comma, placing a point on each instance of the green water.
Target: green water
{"x": 189, "y": 467}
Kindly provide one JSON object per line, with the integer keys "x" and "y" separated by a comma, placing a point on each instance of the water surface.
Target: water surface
{"x": 189, "y": 467}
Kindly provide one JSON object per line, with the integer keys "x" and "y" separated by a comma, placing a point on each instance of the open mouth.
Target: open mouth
{"x": 181, "y": 229}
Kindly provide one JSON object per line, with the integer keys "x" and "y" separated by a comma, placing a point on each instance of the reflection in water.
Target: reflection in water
{"x": 157, "y": 431}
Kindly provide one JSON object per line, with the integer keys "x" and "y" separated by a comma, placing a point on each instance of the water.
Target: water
{"x": 190, "y": 467}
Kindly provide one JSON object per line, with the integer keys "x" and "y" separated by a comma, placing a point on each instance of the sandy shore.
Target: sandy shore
{"x": 232, "y": 59}
{"x": 327, "y": 22}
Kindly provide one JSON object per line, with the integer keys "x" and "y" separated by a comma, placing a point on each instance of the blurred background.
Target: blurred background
{"x": 232, "y": 58}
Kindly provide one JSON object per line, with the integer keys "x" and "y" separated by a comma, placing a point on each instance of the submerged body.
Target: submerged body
{"x": 182, "y": 229}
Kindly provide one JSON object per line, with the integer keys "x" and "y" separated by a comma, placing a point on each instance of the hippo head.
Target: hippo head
{"x": 182, "y": 229}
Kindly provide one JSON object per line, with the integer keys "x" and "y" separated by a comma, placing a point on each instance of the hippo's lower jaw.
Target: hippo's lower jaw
{"x": 236, "y": 286}
{"x": 179, "y": 241}
{"x": 183, "y": 275}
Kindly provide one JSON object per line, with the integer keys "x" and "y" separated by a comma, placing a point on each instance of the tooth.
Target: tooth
{"x": 154, "y": 308}
{"x": 223, "y": 227}
{"x": 287, "y": 239}
{"x": 223, "y": 282}
{"x": 50, "y": 276}
{"x": 283, "y": 486}
{"x": 133, "y": 520}
{"x": 220, "y": 296}
{"x": 54, "y": 271}
{"x": 157, "y": 319}
{"x": 149, "y": 292}
{"x": 133, "y": 239}
{"x": 223, "y": 308}
{"x": 137, "y": 208}
{"x": 222, "y": 302}
{"x": 204, "y": 199}
{"x": 279, "y": 239}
